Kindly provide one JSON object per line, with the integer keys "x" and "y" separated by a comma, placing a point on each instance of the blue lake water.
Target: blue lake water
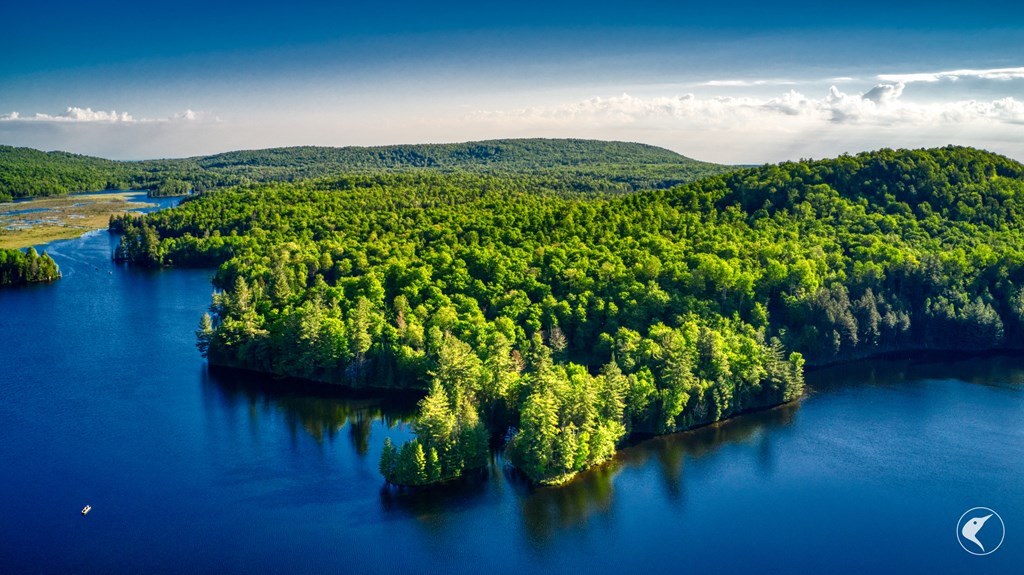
{"x": 105, "y": 401}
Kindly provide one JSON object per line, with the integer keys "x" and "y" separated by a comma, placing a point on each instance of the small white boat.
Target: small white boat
{"x": 86, "y": 509}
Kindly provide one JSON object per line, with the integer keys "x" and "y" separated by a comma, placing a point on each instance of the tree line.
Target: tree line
{"x": 21, "y": 267}
{"x": 584, "y": 167}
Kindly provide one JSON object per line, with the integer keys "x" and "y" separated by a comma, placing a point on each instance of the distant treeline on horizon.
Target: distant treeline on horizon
{"x": 593, "y": 167}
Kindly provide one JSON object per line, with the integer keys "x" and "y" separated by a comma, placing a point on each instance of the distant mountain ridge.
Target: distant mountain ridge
{"x": 517, "y": 153}
{"x": 25, "y": 172}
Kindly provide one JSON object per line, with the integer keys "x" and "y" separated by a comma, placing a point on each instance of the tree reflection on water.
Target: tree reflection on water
{"x": 320, "y": 411}
{"x": 590, "y": 493}
{"x": 545, "y": 510}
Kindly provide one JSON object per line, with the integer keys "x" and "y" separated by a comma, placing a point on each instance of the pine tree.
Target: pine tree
{"x": 458, "y": 370}
{"x": 280, "y": 286}
{"x": 500, "y": 370}
{"x": 534, "y": 444}
{"x": 434, "y": 472}
{"x": 241, "y": 297}
{"x": 612, "y": 394}
{"x": 712, "y": 363}
{"x": 795, "y": 381}
{"x": 204, "y": 334}
{"x": 677, "y": 377}
{"x": 558, "y": 342}
{"x": 419, "y": 464}
{"x": 360, "y": 337}
{"x": 564, "y": 452}
{"x": 387, "y": 460}
{"x": 436, "y": 423}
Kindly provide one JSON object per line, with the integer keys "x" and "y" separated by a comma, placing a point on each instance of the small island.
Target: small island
{"x": 18, "y": 267}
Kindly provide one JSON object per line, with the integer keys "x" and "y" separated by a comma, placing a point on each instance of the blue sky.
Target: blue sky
{"x": 740, "y": 82}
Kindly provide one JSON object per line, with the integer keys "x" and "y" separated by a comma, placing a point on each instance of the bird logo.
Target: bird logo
{"x": 971, "y": 528}
{"x": 971, "y": 531}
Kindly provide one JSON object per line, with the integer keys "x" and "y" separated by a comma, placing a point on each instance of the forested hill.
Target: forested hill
{"x": 573, "y": 321}
{"x": 514, "y": 156}
{"x": 958, "y": 183}
{"x": 26, "y": 173}
{"x": 587, "y": 167}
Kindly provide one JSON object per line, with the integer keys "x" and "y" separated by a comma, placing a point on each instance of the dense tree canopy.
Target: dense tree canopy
{"x": 582, "y": 166}
{"x": 20, "y": 267}
{"x": 566, "y": 322}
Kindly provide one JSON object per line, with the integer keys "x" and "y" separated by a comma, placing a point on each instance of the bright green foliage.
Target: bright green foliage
{"x": 21, "y": 267}
{"x": 691, "y": 304}
{"x": 204, "y": 333}
{"x": 569, "y": 421}
{"x": 388, "y": 456}
{"x": 409, "y": 467}
{"x": 586, "y": 167}
{"x": 448, "y": 426}
{"x": 140, "y": 244}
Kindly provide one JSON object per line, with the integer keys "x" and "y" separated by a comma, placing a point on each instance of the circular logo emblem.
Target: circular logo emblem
{"x": 980, "y": 531}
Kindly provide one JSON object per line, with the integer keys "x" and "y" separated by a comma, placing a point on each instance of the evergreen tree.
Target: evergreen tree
{"x": 534, "y": 444}
{"x": 388, "y": 457}
{"x": 204, "y": 334}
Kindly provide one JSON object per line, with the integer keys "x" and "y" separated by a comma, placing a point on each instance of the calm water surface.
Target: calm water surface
{"x": 104, "y": 400}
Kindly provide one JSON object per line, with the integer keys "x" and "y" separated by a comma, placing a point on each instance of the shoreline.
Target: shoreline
{"x": 40, "y": 221}
{"x": 633, "y": 439}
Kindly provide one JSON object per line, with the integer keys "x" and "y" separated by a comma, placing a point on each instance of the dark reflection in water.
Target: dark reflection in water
{"x": 544, "y": 511}
{"x": 546, "y": 515}
{"x": 433, "y": 508}
{"x": 320, "y": 411}
{"x": 591, "y": 493}
{"x": 997, "y": 370}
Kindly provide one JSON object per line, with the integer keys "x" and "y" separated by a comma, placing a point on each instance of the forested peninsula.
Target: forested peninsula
{"x": 593, "y": 167}
{"x": 559, "y": 323}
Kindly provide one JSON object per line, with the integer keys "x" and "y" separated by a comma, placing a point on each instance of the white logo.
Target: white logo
{"x": 980, "y": 531}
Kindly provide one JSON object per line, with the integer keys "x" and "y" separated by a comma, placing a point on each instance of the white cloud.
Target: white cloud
{"x": 187, "y": 115}
{"x": 882, "y": 105}
{"x": 724, "y": 120}
{"x": 75, "y": 114}
{"x": 745, "y": 83}
{"x": 885, "y": 93}
{"x": 954, "y": 75}
{"x": 790, "y": 125}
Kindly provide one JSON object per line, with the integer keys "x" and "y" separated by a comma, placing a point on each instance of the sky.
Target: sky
{"x": 740, "y": 82}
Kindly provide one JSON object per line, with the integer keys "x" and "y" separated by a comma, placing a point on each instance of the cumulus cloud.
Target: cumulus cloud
{"x": 885, "y": 93}
{"x": 954, "y": 75}
{"x": 74, "y": 114}
{"x": 114, "y": 134}
{"x": 883, "y": 104}
{"x": 788, "y": 125}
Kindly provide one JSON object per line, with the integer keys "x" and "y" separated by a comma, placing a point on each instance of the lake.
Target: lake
{"x": 105, "y": 401}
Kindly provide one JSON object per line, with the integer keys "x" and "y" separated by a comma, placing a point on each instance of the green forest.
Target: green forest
{"x": 556, "y": 323}
{"x": 21, "y": 267}
{"x": 588, "y": 166}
